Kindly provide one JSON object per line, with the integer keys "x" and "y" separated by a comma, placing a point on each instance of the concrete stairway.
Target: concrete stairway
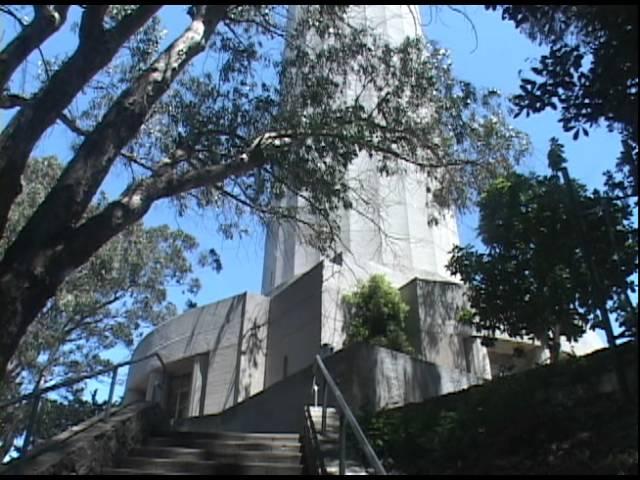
{"x": 221, "y": 453}
{"x": 329, "y": 444}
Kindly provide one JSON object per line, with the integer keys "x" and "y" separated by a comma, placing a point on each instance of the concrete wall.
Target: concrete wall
{"x": 435, "y": 332}
{"x": 343, "y": 276}
{"x": 222, "y": 345}
{"x": 294, "y": 326}
{"x": 375, "y": 378}
{"x": 253, "y": 352}
{"x": 369, "y": 377}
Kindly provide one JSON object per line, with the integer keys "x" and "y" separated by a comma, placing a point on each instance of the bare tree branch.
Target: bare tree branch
{"x": 27, "y": 126}
{"x": 84, "y": 240}
{"x": 68, "y": 199}
{"x": 13, "y": 100}
{"x": 130, "y": 157}
{"x": 92, "y": 22}
{"x": 46, "y": 21}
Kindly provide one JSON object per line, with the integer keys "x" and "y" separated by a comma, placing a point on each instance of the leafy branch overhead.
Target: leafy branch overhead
{"x": 215, "y": 117}
{"x": 532, "y": 278}
{"x": 109, "y": 301}
{"x": 589, "y": 73}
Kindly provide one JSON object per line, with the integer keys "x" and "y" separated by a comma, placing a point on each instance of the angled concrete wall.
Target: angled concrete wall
{"x": 221, "y": 345}
{"x": 253, "y": 351}
{"x": 294, "y": 326}
{"x": 370, "y": 378}
{"x": 435, "y": 332}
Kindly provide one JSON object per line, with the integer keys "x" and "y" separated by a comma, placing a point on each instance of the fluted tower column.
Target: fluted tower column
{"x": 389, "y": 229}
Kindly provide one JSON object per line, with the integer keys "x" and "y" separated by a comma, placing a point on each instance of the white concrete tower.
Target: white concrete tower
{"x": 389, "y": 230}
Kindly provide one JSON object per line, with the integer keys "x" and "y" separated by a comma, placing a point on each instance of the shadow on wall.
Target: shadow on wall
{"x": 251, "y": 351}
{"x": 375, "y": 378}
{"x": 369, "y": 377}
{"x": 253, "y": 348}
{"x": 433, "y": 327}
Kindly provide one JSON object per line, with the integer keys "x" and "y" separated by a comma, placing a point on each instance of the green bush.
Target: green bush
{"x": 377, "y": 314}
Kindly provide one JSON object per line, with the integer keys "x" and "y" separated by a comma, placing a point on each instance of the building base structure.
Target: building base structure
{"x": 221, "y": 355}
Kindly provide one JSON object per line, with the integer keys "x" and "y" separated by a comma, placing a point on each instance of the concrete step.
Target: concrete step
{"x": 201, "y": 454}
{"x": 218, "y": 453}
{"x": 236, "y": 436}
{"x": 143, "y": 464}
{"x": 224, "y": 445}
{"x": 134, "y": 472}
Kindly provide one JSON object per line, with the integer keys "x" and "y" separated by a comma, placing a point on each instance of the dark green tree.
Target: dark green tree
{"x": 533, "y": 279}
{"x": 377, "y": 314}
{"x": 590, "y": 73}
{"x": 229, "y": 135}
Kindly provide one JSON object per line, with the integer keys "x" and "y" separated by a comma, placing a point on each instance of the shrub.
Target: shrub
{"x": 377, "y": 314}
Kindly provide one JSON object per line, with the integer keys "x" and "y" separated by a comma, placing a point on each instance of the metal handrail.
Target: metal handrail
{"x": 38, "y": 393}
{"x": 347, "y": 415}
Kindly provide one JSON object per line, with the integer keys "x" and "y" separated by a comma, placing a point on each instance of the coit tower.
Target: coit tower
{"x": 390, "y": 228}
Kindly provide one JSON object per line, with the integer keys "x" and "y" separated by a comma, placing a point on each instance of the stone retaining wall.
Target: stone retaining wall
{"x": 91, "y": 446}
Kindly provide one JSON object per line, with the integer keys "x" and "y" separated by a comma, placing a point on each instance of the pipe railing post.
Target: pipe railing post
{"x": 346, "y": 416}
{"x": 112, "y": 388}
{"x": 33, "y": 417}
{"x": 343, "y": 444}
{"x": 314, "y": 390}
{"x": 324, "y": 406}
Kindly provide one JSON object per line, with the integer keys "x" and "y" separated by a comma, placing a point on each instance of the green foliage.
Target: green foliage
{"x": 56, "y": 416}
{"x": 232, "y": 133}
{"x": 496, "y": 428}
{"x": 110, "y": 301}
{"x": 590, "y": 72}
{"x": 533, "y": 279}
{"x": 377, "y": 314}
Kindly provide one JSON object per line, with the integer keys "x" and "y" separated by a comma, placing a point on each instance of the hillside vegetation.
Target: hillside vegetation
{"x": 559, "y": 419}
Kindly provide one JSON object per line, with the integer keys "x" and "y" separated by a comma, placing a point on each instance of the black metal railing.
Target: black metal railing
{"x": 37, "y": 394}
{"x": 346, "y": 419}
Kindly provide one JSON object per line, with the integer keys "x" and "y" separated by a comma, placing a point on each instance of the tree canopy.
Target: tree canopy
{"x": 104, "y": 303}
{"x": 533, "y": 279}
{"x": 590, "y": 73}
{"x": 231, "y": 133}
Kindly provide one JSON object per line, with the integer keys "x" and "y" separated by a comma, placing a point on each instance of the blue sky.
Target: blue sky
{"x": 500, "y": 53}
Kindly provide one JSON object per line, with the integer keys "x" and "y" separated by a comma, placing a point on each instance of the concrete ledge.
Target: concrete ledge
{"x": 91, "y": 446}
{"x": 371, "y": 378}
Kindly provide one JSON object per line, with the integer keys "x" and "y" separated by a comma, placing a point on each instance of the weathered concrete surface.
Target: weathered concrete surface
{"x": 221, "y": 345}
{"x": 434, "y": 331}
{"x": 92, "y": 446}
{"x": 370, "y": 378}
{"x": 294, "y": 326}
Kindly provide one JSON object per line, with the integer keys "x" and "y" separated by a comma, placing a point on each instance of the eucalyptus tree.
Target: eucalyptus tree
{"x": 108, "y": 301}
{"x": 205, "y": 117}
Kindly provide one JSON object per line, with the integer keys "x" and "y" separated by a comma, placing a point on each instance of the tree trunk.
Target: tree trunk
{"x": 19, "y": 137}
{"x": 22, "y": 296}
{"x": 51, "y": 246}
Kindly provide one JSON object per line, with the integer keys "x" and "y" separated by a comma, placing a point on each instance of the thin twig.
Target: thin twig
{"x": 473, "y": 27}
